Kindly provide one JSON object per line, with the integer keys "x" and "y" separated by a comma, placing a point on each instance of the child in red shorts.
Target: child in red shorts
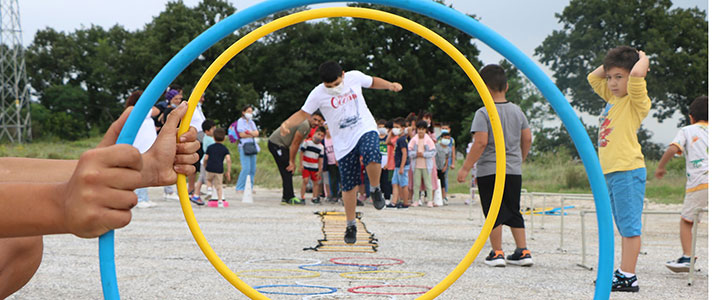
{"x": 312, "y": 161}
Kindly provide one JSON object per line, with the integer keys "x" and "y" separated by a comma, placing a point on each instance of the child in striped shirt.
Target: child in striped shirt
{"x": 312, "y": 161}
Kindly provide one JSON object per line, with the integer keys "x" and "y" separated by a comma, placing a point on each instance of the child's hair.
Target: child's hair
{"x": 321, "y": 129}
{"x": 425, "y": 115}
{"x": 219, "y": 134}
{"x": 207, "y": 124}
{"x": 400, "y": 121}
{"x": 411, "y": 118}
{"x": 446, "y": 134}
{"x": 330, "y": 71}
{"x": 133, "y": 98}
{"x": 623, "y": 57}
{"x": 421, "y": 125}
{"x": 381, "y": 121}
{"x": 699, "y": 108}
{"x": 245, "y": 107}
{"x": 494, "y": 77}
{"x": 389, "y": 124}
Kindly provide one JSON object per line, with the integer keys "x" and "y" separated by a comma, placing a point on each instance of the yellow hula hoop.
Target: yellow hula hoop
{"x": 364, "y": 13}
{"x": 308, "y": 274}
{"x": 349, "y": 275}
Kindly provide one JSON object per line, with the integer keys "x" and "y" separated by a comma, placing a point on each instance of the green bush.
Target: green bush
{"x": 575, "y": 177}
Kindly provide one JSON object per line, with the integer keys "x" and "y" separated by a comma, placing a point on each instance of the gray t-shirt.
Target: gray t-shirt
{"x": 441, "y": 155}
{"x": 285, "y": 141}
{"x": 513, "y": 121}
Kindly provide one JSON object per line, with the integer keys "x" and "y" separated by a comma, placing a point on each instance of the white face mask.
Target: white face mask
{"x": 407, "y": 130}
{"x": 445, "y": 142}
{"x": 337, "y": 90}
{"x": 382, "y": 131}
{"x": 248, "y": 116}
{"x": 397, "y": 131}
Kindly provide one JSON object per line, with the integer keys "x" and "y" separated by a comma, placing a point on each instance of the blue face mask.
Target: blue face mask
{"x": 444, "y": 131}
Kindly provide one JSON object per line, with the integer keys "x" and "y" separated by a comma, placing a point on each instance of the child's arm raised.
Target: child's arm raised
{"x": 641, "y": 67}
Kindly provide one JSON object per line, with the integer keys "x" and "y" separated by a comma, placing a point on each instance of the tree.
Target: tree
{"x": 675, "y": 39}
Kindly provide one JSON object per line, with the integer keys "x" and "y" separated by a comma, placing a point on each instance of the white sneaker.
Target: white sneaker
{"x": 172, "y": 196}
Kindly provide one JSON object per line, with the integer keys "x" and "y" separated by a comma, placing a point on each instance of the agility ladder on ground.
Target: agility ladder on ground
{"x": 333, "y": 228}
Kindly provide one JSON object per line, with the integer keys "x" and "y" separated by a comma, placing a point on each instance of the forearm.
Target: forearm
{"x": 15, "y": 169}
{"x": 30, "y": 209}
{"x": 475, "y": 153}
{"x": 641, "y": 66}
{"x": 599, "y": 72}
{"x": 295, "y": 119}
{"x": 293, "y": 152}
{"x": 381, "y": 84}
{"x": 667, "y": 156}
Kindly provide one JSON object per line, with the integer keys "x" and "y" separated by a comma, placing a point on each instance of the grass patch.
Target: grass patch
{"x": 549, "y": 172}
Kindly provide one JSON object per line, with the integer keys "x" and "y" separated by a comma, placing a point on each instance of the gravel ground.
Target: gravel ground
{"x": 157, "y": 257}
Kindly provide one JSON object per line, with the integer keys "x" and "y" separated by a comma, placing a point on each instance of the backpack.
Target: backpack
{"x": 233, "y": 135}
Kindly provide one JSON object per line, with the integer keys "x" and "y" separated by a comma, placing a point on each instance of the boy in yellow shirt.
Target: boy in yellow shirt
{"x": 620, "y": 81}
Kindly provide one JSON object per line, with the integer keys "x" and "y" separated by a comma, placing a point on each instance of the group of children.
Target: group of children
{"x": 425, "y": 157}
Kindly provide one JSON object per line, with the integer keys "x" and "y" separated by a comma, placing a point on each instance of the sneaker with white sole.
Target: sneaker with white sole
{"x": 622, "y": 283}
{"x": 495, "y": 259}
{"x": 521, "y": 257}
{"x": 145, "y": 204}
{"x": 681, "y": 264}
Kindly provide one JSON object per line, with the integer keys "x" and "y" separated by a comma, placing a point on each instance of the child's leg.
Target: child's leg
{"x": 20, "y": 258}
{"x": 630, "y": 252}
{"x": 496, "y": 238}
{"x": 302, "y": 190}
{"x": 316, "y": 185}
{"x": 417, "y": 177}
{"x": 519, "y": 236}
{"x": 686, "y": 236}
{"x": 219, "y": 188}
{"x": 395, "y": 193}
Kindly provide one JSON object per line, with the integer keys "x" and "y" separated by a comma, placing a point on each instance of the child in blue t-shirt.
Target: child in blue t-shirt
{"x": 402, "y": 166}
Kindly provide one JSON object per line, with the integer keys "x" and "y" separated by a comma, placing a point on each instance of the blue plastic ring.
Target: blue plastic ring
{"x": 361, "y": 267}
{"x": 428, "y": 8}
{"x": 330, "y": 289}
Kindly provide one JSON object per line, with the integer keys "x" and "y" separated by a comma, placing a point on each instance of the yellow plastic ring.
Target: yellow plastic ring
{"x": 308, "y": 274}
{"x": 350, "y": 275}
{"x": 364, "y": 13}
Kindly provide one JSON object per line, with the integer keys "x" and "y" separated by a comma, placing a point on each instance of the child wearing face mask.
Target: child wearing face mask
{"x": 421, "y": 151}
{"x": 312, "y": 160}
{"x": 442, "y": 160}
{"x": 385, "y": 185}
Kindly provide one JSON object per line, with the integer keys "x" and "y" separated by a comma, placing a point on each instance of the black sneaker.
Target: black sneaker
{"x": 315, "y": 200}
{"x": 391, "y": 205}
{"x": 378, "y": 200}
{"x": 402, "y": 206}
{"x": 681, "y": 264}
{"x": 360, "y": 203}
{"x": 622, "y": 283}
{"x": 521, "y": 257}
{"x": 350, "y": 234}
{"x": 495, "y": 259}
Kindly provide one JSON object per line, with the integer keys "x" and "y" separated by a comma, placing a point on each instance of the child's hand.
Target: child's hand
{"x": 462, "y": 174}
{"x": 227, "y": 176}
{"x": 660, "y": 172}
{"x": 99, "y": 195}
{"x": 166, "y": 158}
{"x": 401, "y": 170}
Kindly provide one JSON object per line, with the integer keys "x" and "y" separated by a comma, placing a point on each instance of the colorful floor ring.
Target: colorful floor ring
{"x": 348, "y": 296}
{"x": 330, "y": 289}
{"x": 350, "y": 275}
{"x": 355, "y": 12}
{"x": 310, "y": 267}
{"x": 275, "y": 261}
{"x": 308, "y": 274}
{"x": 398, "y": 261}
{"x": 355, "y": 289}
{"x": 430, "y": 9}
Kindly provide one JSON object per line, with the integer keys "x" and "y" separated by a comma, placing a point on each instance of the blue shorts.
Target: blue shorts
{"x": 400, "y": 179}
{"x": 369, "y": 148}
{"x": 627, "y": 193}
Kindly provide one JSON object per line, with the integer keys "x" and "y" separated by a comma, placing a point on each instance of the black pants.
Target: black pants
{"x": 385, "y": 184}
{"x": 282, "y": 160}
{"x": 509, "y": 213}
{"x": 334, "y": 181}
{"x": 441, "y": 176}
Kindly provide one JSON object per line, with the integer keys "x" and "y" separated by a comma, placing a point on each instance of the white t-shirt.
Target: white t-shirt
{"x": 347, "y": 115}
{"x": 693, "y": 142}
{"x": 146, "y": 134}
{"x": 198, "y": 118}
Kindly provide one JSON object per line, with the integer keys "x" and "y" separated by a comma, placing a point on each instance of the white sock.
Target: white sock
{"x": 626, "y": 273}
{"x": 351, "y": 223}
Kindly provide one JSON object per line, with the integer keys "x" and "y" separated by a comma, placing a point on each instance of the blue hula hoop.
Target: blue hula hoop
{"x": 428, "y": 8}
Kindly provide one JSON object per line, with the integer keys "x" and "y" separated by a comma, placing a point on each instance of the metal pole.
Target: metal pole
{"x": 542, "y": 218}
{"x": 694, "y": 240}
{"x": 562, "y": 223}
{"x": 582, "y": 234}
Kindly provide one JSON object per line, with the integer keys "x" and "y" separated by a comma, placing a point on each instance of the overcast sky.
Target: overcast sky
{"x": 525, "y": 23}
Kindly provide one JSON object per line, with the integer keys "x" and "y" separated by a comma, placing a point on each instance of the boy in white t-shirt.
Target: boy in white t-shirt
{"x": 692, "y": 141}
{"x": 339, "y": 98}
